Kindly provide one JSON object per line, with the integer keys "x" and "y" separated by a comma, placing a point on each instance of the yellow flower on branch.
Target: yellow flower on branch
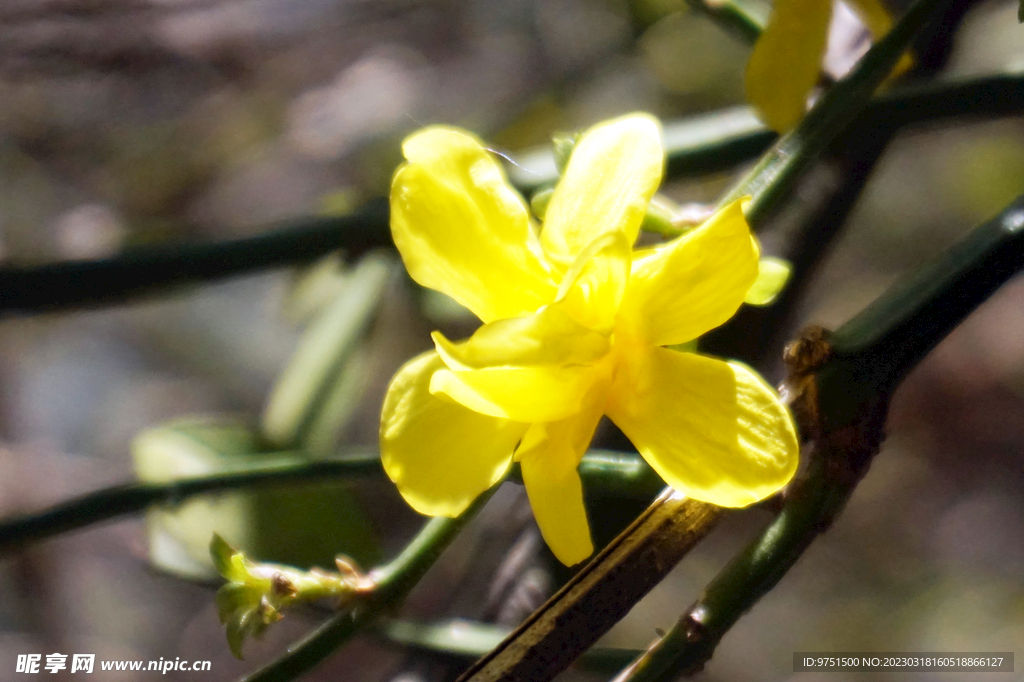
{"x": 576, "y": 325}
{"x": 786, "y": 62}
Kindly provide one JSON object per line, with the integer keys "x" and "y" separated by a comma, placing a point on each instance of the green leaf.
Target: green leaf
{"x": 1020, "y": 12}
{"x": 325, "y": 345}
{"x": 772, "y": 275}
{"x": 222, "y": 553}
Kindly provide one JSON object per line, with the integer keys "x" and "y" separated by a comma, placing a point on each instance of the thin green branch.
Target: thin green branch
{"x": 774, "y": 176}
{"x": 392, "y": 583}
{"x": 132, "y": 498}
{"x": 614, "y": 473}
{"x": 89, "y": 283}
{"x": 738, "y": 18}
{"x": 840, "y": 386}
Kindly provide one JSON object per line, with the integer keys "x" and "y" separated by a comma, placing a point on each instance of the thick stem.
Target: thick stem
{"x": 600, "y": 594}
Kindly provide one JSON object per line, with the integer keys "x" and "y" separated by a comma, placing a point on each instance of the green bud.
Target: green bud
{"x": 562, "y": 145}
{"x": 540, "y": 200}
{"x": 256, "y": 593}
{"x": 659, "y": 219}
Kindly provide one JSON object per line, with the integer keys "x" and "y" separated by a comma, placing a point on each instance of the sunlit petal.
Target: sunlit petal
{"x": 549, "y": 455}
{"x": 526, "y": 394}
{"x": 772, "y": 275}
{"x": 713, "y": 430}
{"x": 613, "y": 172}
{"x": 591, "y": 290}
{"x": 440, "y": 454}
{"x": 548, "y": 337}
{"x": 462, "y": 230}
{"x": 694, "y": 283}
{"x": 786, "y": 60}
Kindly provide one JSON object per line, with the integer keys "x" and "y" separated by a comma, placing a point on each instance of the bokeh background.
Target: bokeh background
{"x": 132, "y": 122}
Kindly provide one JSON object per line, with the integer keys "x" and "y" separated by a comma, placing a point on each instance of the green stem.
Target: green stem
{"x": 612, "y": 472}
{"x": 132, "y": 498}
{"x": 393, "y": 581}
{"x": 866, "y": 358}
{"x": 110, "y": 280}
{"x": 774, "y": 176}
{"x": 734, "y": 17}
{"x": 877, "y": 348}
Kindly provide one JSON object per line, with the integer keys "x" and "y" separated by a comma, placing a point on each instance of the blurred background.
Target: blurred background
{"x": 133, "y": 122}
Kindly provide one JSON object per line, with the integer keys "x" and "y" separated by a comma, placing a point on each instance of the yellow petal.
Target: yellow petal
{"x": 613, "y": 172}
{"x": 548, "y": 337}
{"x": 591, "y": 290}
{"x": 549, "y": 455}
{"x": 462, "y": 230}
{"x": 772, "y": 275}
{"x": 525, "y": 394}
{"x": 712, "y": 429}
{"x": 786, "y": 60}
{"x": 694, "y": 283}
{"x": 440, "y": 454}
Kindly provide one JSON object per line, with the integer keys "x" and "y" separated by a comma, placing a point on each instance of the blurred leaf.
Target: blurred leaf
{"x": 532, "y": 125}
{"x": 314, "y": 288}
{"x": 322, "y": 351}
{"x": 695, "y": 60}
{"x": 179, "y": 537}
{"x": 340, "y": 404}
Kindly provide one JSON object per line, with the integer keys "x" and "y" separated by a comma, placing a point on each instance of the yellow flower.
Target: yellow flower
{"x": 575, "y": 327}
{"x": 786, "y": 62}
